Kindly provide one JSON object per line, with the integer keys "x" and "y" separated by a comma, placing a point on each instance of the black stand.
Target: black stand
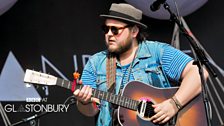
{"x": 31, "y": 118}
{"x": 200, "y": 60}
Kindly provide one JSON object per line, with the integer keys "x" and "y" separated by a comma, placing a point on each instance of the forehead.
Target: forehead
{"x": 114, "y": 22}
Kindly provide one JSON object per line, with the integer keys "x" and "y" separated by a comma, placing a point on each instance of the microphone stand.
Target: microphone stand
{"x": 200, "y": 60}
{"x": 24, "y": 120}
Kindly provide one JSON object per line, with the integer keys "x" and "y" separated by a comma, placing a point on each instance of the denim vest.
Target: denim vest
{"x": 146, "y": 68}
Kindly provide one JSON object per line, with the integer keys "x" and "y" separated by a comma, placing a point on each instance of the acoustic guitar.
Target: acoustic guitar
{"x": 135, "y": 102}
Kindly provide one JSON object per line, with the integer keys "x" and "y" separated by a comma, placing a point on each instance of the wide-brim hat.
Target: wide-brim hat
{"x": 125, "y": 12}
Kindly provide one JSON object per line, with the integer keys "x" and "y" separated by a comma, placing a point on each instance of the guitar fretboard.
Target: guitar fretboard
{"x": 106, "y": 96}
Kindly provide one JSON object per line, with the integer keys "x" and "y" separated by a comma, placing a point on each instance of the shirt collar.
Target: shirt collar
{"x": 143, "y": 51}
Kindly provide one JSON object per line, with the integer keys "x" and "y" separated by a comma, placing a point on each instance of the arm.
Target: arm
{"x": 84, "y": 100}
{"x": 189, "y": 88}
{"x": 190, "y": 85}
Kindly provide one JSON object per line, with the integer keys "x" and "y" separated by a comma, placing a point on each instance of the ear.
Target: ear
{"x": 135, "y": 31}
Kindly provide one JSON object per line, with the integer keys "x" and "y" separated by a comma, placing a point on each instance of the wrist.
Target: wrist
{"x": 176, "y": 102}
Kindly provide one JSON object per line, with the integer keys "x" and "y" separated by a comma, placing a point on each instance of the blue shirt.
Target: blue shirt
{"x": 155, "y": 64}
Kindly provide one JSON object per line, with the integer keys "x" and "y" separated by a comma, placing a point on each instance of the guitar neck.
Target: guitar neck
{"x": 106, "y": 96}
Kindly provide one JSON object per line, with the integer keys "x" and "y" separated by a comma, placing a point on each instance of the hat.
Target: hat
{"x": 125, "y": 12}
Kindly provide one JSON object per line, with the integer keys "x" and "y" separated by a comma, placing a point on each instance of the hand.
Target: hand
{"x": 83, "y": 95}
{"x": 164, "y": 111}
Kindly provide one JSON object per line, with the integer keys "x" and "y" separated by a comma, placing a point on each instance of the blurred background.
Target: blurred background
{"x": 58, "y": 36}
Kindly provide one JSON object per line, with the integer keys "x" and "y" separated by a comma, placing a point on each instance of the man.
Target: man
{"x": 135, "y": 59}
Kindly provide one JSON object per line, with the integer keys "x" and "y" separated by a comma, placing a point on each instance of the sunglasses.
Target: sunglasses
{"x": 114, "y": 29}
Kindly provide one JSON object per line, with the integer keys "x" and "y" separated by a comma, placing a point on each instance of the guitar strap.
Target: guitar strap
{"x": 111, "y": 83}
{"x": 111, "y": 71}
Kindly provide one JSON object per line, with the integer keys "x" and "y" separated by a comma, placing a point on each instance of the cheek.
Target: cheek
{"x": 105, "y": 37}
{"x": 106, "y": 40}
{"x": 122, "y": 39}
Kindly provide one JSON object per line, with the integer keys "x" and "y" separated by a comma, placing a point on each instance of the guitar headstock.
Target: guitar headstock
{"x": 35, "y": 77}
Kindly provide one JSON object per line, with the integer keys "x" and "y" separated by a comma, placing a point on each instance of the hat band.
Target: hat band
{"x": 114, "y": 13}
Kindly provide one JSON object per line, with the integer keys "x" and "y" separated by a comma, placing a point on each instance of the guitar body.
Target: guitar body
{"x": 192, "y": 114}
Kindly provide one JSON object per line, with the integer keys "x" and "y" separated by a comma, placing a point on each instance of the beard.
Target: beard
{"x": 120, "y": 47}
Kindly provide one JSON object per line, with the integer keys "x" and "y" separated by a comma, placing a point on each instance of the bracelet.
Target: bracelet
{"x": 177, "y": 103}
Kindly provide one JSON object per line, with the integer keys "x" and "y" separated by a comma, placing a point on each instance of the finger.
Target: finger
{"x": 85, "y": 92}
{"x": 157, "y": 115}
{"x": 76, "y": 92}
{"x": 154, "y": 106}
{"x": 88, "y": 94}
{"x": 82, "y": 91}
{"x": 95, "y": 100}
{"x": 157, "y": 109}
{"x": 161, "y": 118}
{"x": 165, "y": 120}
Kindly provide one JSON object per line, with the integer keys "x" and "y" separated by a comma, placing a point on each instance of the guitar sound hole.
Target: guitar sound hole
{"x": 149, "y": 110}
{"x": 145, "y": 109}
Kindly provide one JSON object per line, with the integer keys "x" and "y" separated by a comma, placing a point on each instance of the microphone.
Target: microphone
{"x": 156, "y": 5}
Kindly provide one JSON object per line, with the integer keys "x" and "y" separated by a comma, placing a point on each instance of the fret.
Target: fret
{"x": 114, "y": 98}
{"x": 117, "y": 98}
{"x": 123, "y": 104}
{"x": 94, "y": 93}
{"x": 118, "y": 101}
{"x": 63, "y": 83}
{"x": 99, "y": 94}
{"x": 107, "y": 96}
{"x": 122, "y": 101}
{"x": 111, "y": 100}
{"x": 126, "y": 102}
{"x": 133, "y": 104}
{"x": 103, "y": 94}
{"x": 58, "y": 82}
{"x": 129, "y": 101}
{"x": 78, "y": 86}
{"x": 69, "y": 83}
{"x": 136, "y": 105}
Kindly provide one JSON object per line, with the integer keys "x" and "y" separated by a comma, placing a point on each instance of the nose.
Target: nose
{"x": 109, "y": 32}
